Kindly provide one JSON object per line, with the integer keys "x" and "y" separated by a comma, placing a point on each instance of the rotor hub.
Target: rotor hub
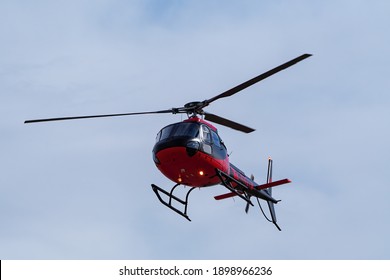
{"x": 194, "y": 108}
{"x": 194, "y": 105}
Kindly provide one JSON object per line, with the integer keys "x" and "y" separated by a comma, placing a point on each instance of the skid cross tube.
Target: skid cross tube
{"x": 168, "y": 204}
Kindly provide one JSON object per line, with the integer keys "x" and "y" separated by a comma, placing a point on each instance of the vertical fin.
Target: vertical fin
{"x": 269, "y": 175}
{"x": 273, "y": 215}
{"x": 269, "y": 191}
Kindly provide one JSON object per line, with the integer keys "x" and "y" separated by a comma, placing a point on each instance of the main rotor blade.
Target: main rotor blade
{"x": 100, "y": 116}
{"x": 257, "y": 79}
{"x": 228, "y": 123}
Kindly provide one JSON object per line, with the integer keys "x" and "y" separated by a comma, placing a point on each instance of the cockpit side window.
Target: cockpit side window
{"x": 166, "y": 132}
{"x": 216, "y": 139}
{"x": 206, "y": 136}
{"x": 158, "y": 136}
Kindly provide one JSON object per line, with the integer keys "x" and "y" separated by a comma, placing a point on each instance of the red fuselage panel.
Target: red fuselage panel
{"x": 195, "y": 171}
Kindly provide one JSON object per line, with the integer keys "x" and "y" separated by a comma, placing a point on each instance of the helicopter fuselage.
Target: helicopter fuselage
{"x": 190, "y": 152}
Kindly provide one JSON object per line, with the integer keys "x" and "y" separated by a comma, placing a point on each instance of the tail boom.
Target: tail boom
{"x": 258, "y": 187}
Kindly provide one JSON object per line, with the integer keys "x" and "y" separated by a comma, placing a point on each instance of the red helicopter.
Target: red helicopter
{"x": 191, "y": 153}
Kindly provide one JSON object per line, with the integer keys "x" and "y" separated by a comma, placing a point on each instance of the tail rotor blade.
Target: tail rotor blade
{"x": 247, "y": 208}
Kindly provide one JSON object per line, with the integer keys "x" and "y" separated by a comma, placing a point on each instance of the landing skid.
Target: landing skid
{"x": 226, "y": 181}
{"x": 157, "y": 190}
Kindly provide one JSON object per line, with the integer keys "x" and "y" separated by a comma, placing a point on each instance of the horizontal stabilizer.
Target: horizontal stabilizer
{"x": 272, "y": 184}
{"x": 223, "y": 196}
{"x": 259, "y": 187}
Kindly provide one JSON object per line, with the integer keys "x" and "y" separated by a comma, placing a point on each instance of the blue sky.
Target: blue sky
{"x": 81, "y": 189}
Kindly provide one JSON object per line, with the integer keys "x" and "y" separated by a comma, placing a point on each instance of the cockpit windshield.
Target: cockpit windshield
{"x": 187, "y": 129}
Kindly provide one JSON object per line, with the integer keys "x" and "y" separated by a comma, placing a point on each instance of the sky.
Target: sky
{"x": 81, "y": 189}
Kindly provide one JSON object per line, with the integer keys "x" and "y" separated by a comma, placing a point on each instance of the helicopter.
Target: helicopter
{"x": 191, "y": 153}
